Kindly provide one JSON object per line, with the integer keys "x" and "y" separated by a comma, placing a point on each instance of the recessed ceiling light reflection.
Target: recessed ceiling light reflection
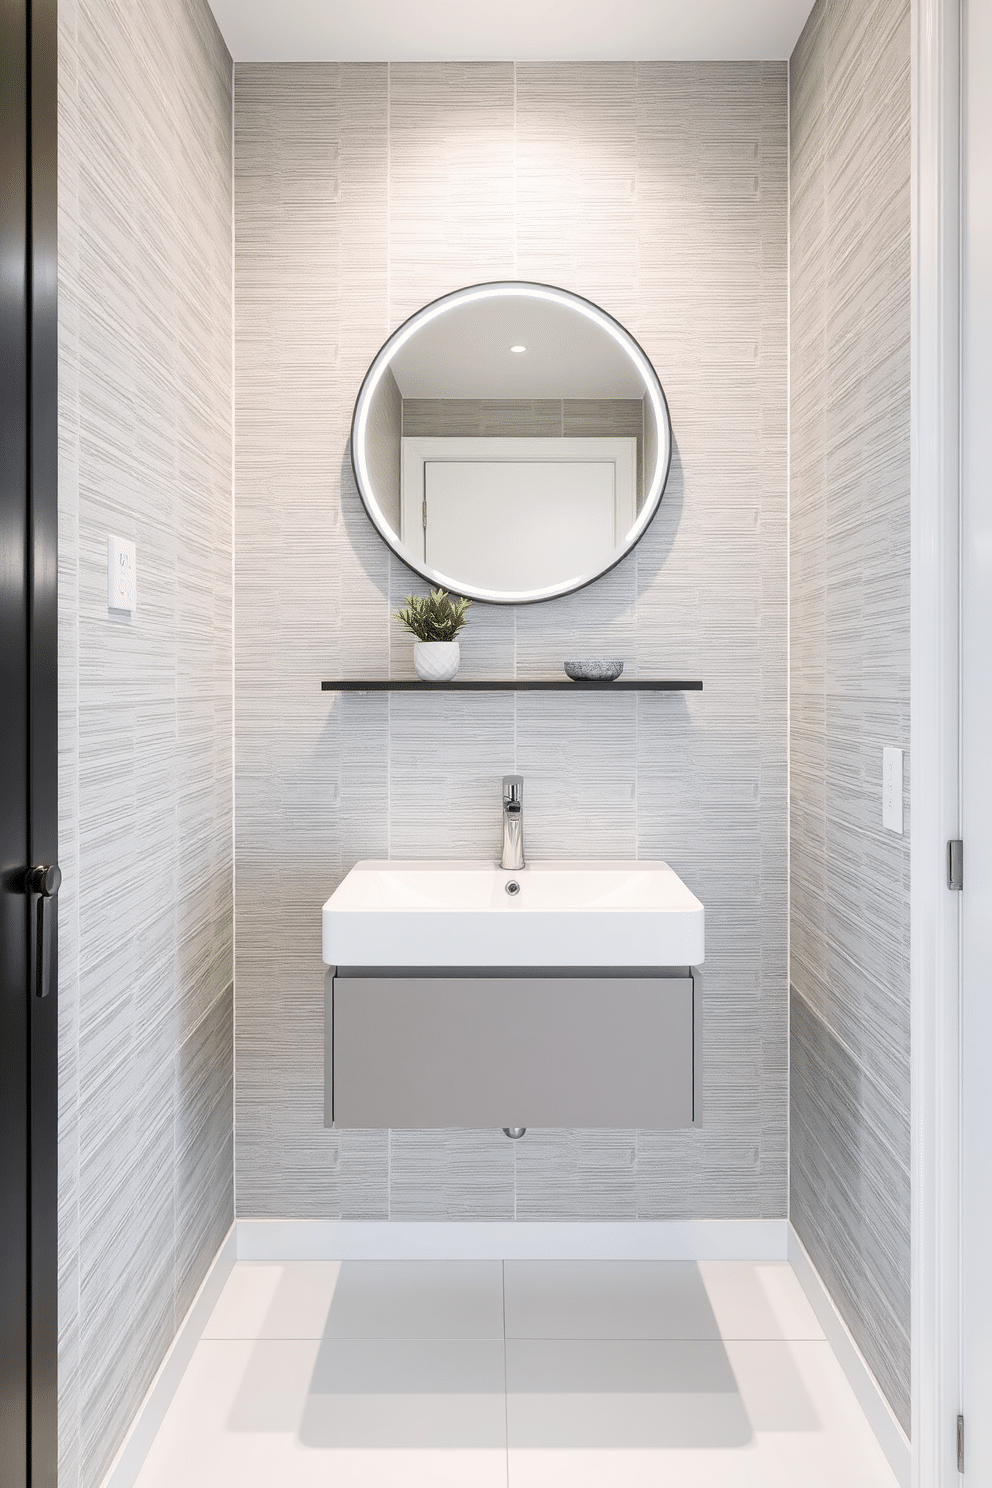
{"x": 518, "y": 348}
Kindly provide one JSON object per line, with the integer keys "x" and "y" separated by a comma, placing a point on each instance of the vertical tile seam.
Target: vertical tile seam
{"x": 644, "y": 478}
{"x": 176, "y": 935}
{"x": 637, "y": 587}
{"x": 516, "y": 197}
{"x": 516, "y": 608}
{"x": 506, "y": 1382}
{"x": 234, "y": 654}
{"x": 391, "y": 569}
{"x": 788, "y": 636}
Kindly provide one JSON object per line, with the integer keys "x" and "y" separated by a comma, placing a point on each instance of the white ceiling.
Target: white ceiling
{"x": 503, "y": 30}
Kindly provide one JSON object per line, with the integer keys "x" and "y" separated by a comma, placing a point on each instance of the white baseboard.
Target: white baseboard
{"x": 891, "y": 1437}
{"x": 151, "y": 1413}
{"x": 399, "y": 1240}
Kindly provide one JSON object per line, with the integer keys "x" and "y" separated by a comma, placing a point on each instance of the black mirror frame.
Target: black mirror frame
{"x": 429, "y": 312}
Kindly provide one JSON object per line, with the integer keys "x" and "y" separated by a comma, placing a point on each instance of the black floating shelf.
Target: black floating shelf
{"x": 511, "y": 684}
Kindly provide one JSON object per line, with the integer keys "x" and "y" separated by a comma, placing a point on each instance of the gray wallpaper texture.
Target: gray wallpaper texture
{"x": 850, "y": 448}
{"x": 660, "y": 192}
{"x": 145, "y": 703}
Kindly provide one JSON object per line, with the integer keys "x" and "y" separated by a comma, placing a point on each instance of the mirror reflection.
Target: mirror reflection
{"x": 511, "y": 442}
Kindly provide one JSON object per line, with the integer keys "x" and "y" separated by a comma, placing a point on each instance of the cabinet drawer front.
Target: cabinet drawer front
{"x": 542, "y": 1051}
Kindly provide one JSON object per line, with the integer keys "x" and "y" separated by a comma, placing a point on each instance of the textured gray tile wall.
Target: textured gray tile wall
{"x": 850, "y": 134}
{"x": 659, "y": 191}
{"x": 145, "y": 703}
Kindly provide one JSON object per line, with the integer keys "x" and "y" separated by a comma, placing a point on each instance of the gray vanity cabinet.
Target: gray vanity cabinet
{"x": 574, "y": 1050}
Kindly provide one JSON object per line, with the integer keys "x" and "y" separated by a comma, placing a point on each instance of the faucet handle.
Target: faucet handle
{"x": 513, "y": 790}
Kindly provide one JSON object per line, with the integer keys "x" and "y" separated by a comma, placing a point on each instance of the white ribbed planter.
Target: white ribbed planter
{"x": 436, "y": 661}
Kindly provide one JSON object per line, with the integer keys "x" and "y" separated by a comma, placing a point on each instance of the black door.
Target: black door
{"x": 28, "y": 744}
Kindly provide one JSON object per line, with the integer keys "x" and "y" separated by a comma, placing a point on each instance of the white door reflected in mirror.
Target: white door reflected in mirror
{"x": 517, "y": 515}
{"x": 561, "y": 518}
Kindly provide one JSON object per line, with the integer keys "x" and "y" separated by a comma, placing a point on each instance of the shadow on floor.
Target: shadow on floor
{"x": 537, "y": 1354}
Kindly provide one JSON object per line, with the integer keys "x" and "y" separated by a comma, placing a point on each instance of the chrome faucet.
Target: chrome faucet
{"x": 513, "y": 822}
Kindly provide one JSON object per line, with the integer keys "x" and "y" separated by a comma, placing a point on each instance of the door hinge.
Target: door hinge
{"x": 960, "y": 1444}
{"x": 424, "y": 514}
{"x": 955, "y": 864}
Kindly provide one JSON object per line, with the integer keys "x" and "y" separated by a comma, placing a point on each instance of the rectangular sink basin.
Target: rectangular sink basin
{"x": 428, "y": 914}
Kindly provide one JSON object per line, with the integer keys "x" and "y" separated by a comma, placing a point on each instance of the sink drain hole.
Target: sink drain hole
{"x": 512, "y": 888}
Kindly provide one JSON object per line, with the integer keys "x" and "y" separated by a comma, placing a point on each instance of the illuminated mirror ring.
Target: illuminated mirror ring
{"x": 511, "y": 442}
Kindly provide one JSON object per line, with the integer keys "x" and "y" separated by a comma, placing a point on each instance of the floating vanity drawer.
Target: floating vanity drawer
{"x": 471, "y": 1051}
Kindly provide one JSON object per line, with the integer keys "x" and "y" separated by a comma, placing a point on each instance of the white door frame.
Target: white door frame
{"x": 935, "y": 739}
{"x": 976, "y": 731}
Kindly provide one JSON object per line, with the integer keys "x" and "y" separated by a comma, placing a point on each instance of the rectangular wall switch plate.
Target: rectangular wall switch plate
{"x": 892, "y": 789}
{"x": 122, "y": 578}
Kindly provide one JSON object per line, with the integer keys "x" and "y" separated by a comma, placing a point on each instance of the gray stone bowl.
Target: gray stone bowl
{"x": 593, "y": 671}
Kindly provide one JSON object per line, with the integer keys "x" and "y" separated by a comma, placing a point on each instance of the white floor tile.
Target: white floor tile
{"x": 403, "y": 1393}
{"x": 804, "y": 1430}
{"x": 275, "y": 1300}
{"x": 418, "y": 1299}
{"x": 358, "y": 1413}
{"x": 607, "y": 1299}
{"x": 758, "y": 1300}
{"x": 625, "y": 1393}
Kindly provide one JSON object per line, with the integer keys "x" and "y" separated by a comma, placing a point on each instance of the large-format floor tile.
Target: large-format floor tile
{"x": 289, "y": 1299}
{"x": 607, "y": 1299}
{"x": 405, "y": 1393}
{"x": 417, "y": 1299}
{"x": 626, "y": 1393}
{"x": 354, "y": 1413}
{"x": 803, "y": 1427}
{"x": 752, "y": 1299}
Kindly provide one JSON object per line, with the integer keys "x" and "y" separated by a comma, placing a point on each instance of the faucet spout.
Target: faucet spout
{"x": 513, "y": 822}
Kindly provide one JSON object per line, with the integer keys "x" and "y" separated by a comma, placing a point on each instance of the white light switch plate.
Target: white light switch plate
{"x": 122, "y": 577}
{"x": 892, "y": 789}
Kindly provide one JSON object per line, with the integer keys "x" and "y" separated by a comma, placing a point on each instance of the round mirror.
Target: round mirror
{"x": 511, "y": 442}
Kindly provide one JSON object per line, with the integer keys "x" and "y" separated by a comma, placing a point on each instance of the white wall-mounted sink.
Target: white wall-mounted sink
{"x": 562, "y": 914}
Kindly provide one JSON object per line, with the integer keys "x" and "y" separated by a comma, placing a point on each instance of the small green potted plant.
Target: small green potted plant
{"x": 435, "y": 619}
